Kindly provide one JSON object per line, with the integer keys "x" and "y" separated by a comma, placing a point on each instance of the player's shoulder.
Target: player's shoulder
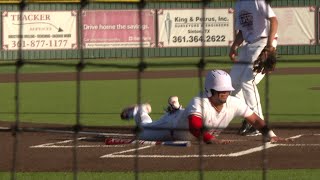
{"x": 200, "y": 99}
{"x": 232, "y": 100}
{"x": 262, "y": 4}
{"x": 236, "y": 103}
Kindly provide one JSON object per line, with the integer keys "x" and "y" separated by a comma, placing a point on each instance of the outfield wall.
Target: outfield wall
{"x": 314, "y": 48}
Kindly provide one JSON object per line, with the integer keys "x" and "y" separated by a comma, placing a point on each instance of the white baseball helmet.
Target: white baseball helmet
{"x": 217, "y": 80}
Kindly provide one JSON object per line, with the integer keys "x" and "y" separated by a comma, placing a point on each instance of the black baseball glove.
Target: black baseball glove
{"x": 266, "y": 61}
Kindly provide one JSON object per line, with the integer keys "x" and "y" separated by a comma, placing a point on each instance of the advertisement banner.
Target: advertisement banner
{"x": 39, "y": 30}
{"x": 184, "y": 27}
{"x": 296, "y": 25}
{"x": 118, "y": 29}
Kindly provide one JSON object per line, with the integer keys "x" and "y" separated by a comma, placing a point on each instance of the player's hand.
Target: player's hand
{"x": 277, "y": 139}
{"x": 218, "y": 141}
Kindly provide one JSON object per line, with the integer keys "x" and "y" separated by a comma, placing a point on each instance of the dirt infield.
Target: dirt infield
{"x": 53, "y": 151}
{"x": 44, "y": 151}
{"x": 67, "y": 76}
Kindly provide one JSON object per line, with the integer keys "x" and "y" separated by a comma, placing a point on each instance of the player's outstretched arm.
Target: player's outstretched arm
{"x": 260, "y": 124}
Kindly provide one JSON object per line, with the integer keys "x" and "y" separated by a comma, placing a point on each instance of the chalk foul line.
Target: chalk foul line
{"x": 236, "y": 154}
{"x": 58, "y": 144}
{"x": 121, "y": 154}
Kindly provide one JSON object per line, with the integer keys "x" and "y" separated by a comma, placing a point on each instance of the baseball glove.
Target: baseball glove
{"x": 266, "y": 61}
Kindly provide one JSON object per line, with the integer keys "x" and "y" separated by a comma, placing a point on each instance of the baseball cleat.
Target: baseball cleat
{"x": 127, "y": 113}
{"x": 248, "y": 130}
{"x": 131, "y": 111}
{"x": 254, "y": 132}
{"x": 173, "y": 104}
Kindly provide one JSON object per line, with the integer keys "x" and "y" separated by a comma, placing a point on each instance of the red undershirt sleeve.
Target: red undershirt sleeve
{"x": 195, "y": 126}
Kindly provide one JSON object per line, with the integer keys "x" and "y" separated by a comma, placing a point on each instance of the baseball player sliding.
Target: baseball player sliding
{"x": 256, "y": 25}
{"x": 205, "y": 116}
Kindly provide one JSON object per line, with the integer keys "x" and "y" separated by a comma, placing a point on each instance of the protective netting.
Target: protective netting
{"x": 80, "y": 66}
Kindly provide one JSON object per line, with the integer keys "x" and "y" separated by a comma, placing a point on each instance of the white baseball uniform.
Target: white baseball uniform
{"x": 176, "y": 126}
{"x": 251, "y": 19}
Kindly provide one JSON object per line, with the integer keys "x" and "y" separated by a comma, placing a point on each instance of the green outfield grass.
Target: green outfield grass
{"x": 291, "y": 99}
{"x": 297, "y": 174}
{"x": 217, "y": 62}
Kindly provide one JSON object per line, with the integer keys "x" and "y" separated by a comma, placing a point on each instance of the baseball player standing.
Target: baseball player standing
{"x": 205, "y": 116}
{"x": 256, "y": 26}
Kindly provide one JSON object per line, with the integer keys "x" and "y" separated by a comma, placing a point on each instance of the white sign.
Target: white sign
{"x": 40, "y": 30}
{"x": 189, "y": 28}
{"x": 296, "y": 25}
